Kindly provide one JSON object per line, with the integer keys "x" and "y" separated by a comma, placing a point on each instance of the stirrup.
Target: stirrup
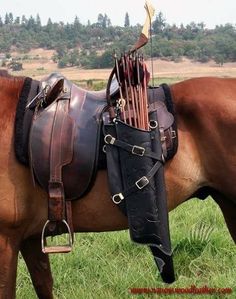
{"x": 58, "y": 248}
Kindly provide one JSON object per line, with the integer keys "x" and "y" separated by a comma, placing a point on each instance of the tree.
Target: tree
{"x": 24, "y": 21}
{"x": 100, "y": 20}
{"x": 219, "y": 59}
{"x": 63, "y": 62}
{"x": 106, "y": 60}
{"x": 159, "y": 23}
{"x": 11, "y": 18}
{"x": 127, "y": 22}
{"x": 7, "y": 19}
{"x": 77, "y": 24}
{"x": 17, "y": 21}
{"x": 61, "y": 51}
{"x": 49, "y": 23}
{"x": 15, "y": 66}
{"x": 74, "y": 57}
{"x": 38, "y": 21}
{"x": 108, "y": 21}
{"x": 31, "y": 23}
{"x": 103, "y": 21}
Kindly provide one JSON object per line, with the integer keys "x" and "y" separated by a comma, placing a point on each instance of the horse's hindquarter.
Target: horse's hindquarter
{"x": 206, "y": 109}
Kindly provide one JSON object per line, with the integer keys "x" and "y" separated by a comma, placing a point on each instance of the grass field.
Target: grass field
{"x": 107, "y": 265}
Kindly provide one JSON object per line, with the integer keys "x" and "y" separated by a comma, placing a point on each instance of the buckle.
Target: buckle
{"x": 56, "y": 248}
{"x": 138, "y": 150}
{"x": 173, "y": 134}
{"x": 109, "y": 139}
{"x": 141, "y": 183}
{"x": 162, "y": 135}
{"x": 117, "y": 201}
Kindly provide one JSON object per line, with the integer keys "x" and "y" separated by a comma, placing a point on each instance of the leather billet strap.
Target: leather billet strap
{"x": 61, "y": 153}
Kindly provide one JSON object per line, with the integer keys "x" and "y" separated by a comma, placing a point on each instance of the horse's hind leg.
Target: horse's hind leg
{"x": 39, "y": 267}
{"x": 9, "y": 248}
{"x": 228, "y": 209}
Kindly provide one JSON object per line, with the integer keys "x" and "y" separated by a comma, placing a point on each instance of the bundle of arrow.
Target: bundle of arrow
{"x": 132, "y": 76}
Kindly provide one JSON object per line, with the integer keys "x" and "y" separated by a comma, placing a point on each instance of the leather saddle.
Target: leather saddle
{"x": 63, "y": 149}
{"x": 69, "y": 124}
{"x": 64, "y": 143}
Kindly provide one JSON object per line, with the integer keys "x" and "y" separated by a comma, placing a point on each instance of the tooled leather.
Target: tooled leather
{"x": 84, "y": 110}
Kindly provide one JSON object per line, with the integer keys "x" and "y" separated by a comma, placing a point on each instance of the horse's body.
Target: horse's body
{"x": 206, "y": 157}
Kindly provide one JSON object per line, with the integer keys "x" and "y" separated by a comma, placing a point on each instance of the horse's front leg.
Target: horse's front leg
{"x": 38, "y": 265}
{"x": 228, "y": 208}
{"x": 9, "y": 249}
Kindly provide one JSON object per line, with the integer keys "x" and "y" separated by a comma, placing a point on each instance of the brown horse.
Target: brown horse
{"x": 206, "y": 157}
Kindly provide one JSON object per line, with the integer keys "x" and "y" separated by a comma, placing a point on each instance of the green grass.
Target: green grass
{"x": 107, "y": 265}
{"x": 92, "y": 84}
{"x": 95, "y": 84}
{"x": 167, "y": 80}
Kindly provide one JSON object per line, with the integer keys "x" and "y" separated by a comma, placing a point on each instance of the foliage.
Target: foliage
{"x": 90, "y": 45}
{"x": 15, "y": 66}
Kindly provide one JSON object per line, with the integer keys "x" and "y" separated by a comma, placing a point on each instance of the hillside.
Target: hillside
{"x": 39, "y": 64}
{"x": 91, "y": 46}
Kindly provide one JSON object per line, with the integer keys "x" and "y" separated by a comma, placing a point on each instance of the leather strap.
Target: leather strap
{"x": 141, "y": 183}
{"x": 62, "y": 134}
{"x": 133, "y": 149}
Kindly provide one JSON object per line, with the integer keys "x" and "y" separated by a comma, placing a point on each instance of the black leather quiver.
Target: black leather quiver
{"x": 136, "y": 180}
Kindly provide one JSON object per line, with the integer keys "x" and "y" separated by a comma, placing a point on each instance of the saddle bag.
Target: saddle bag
{"x": 136, "y": 179}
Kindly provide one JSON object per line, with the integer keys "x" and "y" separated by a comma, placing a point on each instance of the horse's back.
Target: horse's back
{"x": 209, "y": 90}
{"x": 207, "y": 106}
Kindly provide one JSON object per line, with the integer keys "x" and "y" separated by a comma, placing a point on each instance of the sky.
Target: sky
{"x": 211, "y": 12}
